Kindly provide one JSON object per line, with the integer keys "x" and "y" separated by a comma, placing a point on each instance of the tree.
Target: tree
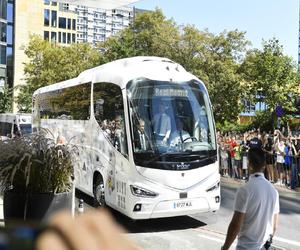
{"x": 151, "y": 34}
{"x": 219, "y": 68}
{"x": 6, "y": 100}
{"x": 271, "y": 76}
{"x": 50, "y": 63}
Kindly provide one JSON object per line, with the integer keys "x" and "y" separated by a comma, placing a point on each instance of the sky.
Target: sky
{"x": 261, "y": 19}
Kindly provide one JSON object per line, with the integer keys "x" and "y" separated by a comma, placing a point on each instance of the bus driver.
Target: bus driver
{"x": 180, "y": 135}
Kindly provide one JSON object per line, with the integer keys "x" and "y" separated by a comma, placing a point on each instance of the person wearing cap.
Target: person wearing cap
{"x": 256, "y": 208}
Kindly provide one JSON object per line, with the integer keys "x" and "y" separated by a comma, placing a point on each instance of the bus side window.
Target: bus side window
{"x": 109, "y": 113}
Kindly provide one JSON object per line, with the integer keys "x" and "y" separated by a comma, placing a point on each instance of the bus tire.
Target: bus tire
{"x": 99, "y": 192}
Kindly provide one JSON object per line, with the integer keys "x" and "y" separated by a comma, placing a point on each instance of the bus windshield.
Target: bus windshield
{"x": 170, "y": 120}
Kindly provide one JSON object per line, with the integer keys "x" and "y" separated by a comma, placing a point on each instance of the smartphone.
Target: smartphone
{"x": 18, "y": 237}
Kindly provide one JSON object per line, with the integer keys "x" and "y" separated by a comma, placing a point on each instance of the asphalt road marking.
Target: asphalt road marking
{"x": 215, "y": 239}
{"x": 291, "y": 242}
{"x": 222, "y": 236}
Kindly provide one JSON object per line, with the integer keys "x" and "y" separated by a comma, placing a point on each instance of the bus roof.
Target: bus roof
{"x": 123, "y": 70}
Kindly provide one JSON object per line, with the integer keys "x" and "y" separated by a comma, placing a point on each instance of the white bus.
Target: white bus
{"x": 172, "y": 170}
{"x": 12, "y": 125}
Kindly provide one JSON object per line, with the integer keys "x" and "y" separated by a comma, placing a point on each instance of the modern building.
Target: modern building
{"x": 96, "y": 25}
{"x": 6, "y": 43}
{"x": 56, "y": 21}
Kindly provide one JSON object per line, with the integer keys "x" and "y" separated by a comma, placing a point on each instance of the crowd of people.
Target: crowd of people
{"x": 282, "y": 154}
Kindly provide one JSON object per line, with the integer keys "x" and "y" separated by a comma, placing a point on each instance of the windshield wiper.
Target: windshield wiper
{"x": 161, "y": 155}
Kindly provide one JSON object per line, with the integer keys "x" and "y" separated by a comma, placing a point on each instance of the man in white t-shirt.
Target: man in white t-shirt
{"x": 256, "y": 208}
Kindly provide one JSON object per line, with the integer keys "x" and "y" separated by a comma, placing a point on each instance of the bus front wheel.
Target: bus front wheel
{"x": 99, "y": 192}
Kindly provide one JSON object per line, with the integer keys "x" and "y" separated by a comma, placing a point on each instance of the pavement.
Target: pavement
{"x": 284, "y": 192}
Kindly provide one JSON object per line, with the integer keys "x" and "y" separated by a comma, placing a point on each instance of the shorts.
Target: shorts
{"x": 279, "y": 166}
{"x": 238, "y": 163}
{"x": 286, "y": 167}
{"x": 224, "y": 163}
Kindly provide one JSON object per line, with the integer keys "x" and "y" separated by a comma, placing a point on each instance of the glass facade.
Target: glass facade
{"x": 10, "y": 42}
{"x": 3, "y": 40}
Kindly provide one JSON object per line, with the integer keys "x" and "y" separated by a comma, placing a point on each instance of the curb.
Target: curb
{"x": 288, "y": 195}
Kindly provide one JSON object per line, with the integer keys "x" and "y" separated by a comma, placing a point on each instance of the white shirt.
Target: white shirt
{"x": 175, "y": 138}
{"x": 142, "y": 139}
{"x": 259, "y": 200}
{"x": 280, "y": 152}
{"x": 165, "y": 126}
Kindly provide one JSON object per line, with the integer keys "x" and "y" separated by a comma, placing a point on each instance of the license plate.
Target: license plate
{"x": 182, "y": 204}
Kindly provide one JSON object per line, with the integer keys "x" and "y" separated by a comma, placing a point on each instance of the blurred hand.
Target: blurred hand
{"x": 93, "y": 230}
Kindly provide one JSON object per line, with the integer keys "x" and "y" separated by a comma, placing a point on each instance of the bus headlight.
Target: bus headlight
{"x": 216, "y": 186}
{"x": 142, "y": 192}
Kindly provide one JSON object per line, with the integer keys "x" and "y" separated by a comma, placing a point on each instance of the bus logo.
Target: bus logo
{"x": 183, "y": 165}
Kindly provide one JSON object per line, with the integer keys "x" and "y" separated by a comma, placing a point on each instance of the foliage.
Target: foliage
{"x": 219, "y": 68}
{"x": 227, "y": 126}
{"x": 271, "y": 76}
{"x": 149, "y": 35}
{"x": 263, "y": 120}
{"x": 6, "y": 100}
{"x": 36, "y": 164}
{"x": 50, "y": 63}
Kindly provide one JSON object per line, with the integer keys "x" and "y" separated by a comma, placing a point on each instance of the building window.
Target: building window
{"x": 73, "y": 38}
{"x": 10, "y": 12}
{"x": 46, "y": 35}
{"x": 9, "y": 35}
{"x": 69, "y": 24}
{"x": 54, "y": 3}
{"x": 3, "y": 9}
{"x": 53, "y": 37}
{"x": 47, "y": 2}
{"x": 74, "y": 24}
{"x": 64, "y": 39}
{"x": 62, "y": 23}
{"x": 53, "y": 18}
{"x": 59, "y": 37}
{"x": 3, "y": 32}
{"x": 2, "y": 54}
{"x": 68, "y": 37}
{"x": 46, "y": 17}
{"x": 248, "y": 107}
